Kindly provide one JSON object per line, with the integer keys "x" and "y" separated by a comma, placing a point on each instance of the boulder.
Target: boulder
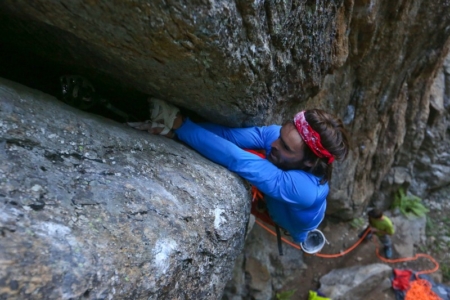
{"x": 93, "y": 209}
{"x": 409, "y": 233}
{"x": 356, "y": 282}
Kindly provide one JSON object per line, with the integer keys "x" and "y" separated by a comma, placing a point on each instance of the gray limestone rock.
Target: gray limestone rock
{"x": 245, "y": 63}
{"x": 92, "y": 209}
{"x": 355, "y": 282}
{"x": 409, "y": 232}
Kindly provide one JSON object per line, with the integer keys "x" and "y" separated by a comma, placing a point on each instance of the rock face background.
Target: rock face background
{"x": 235, "y": 61}
{"x": 379, "y": 65}
{"x": 241, "y": 63}
{"x": 93, "y": 209}
{"x": 340, "y": 284}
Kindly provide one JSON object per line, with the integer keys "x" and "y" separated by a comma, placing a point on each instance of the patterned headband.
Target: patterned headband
{"x": 311, "y": 137}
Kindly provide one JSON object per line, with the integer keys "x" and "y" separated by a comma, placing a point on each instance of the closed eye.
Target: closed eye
{"x": 285, "y": 146}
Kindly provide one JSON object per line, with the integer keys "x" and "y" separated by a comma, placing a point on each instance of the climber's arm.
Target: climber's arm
{"x": 288, "y": 186}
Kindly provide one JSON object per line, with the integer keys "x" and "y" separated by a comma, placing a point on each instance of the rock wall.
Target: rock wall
{"x": 379, "y": 65}
{"x": 241, "y": 63}
{"x": 357, "y": 282}
{"x": 235, "y": 61}
{"x": 92, "y": 209}
{"x": 396, "y": 50}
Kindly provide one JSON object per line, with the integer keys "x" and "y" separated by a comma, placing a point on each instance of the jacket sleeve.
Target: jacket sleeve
{"x": 246, "y": 138}
{"x": 287, "y": 186}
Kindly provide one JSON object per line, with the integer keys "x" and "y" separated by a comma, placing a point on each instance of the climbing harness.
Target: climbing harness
{"x": 315, "y": 239}
{"x": 420, "y": 289}
{"x": 259, "y": 210}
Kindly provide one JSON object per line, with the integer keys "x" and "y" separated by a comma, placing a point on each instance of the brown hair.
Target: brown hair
{"x": 333, "y": 137}
{"x": 375, "y": 213}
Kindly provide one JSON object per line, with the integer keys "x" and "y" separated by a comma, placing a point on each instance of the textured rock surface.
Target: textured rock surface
{"x": 92, "y": 209}
{"x": 260, "y": 271}
{"x": 356, "y": 282}
{"x": 409, "y": 233}
{"x": 432, "y": 164}
{"x": 240, "y": 62}
{"x": 233, "y": 60}
{"x": 395, "y": 51}
{"x": 377, "y": 64}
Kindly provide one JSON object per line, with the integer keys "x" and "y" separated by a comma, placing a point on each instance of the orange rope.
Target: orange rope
{"x": 420, "y": 289}
{"x": 296, "y": 246}
{"x": 342, "y": 253}
{"x": 398, "y": 260}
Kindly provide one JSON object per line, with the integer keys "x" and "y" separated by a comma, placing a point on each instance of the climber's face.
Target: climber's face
{"x": 288, "y": 150}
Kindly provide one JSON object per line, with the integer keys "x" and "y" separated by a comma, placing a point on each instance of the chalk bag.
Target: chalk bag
{"x": 314, "y": 242}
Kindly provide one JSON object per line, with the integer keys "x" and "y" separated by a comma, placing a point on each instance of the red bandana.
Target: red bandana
{"x": 311, "y": 137}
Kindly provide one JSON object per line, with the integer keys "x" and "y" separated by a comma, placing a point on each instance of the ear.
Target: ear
{"x": 309, "y": 163}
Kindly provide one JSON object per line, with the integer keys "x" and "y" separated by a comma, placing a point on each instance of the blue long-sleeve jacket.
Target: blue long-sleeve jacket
{"x": 295, "y": 199}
